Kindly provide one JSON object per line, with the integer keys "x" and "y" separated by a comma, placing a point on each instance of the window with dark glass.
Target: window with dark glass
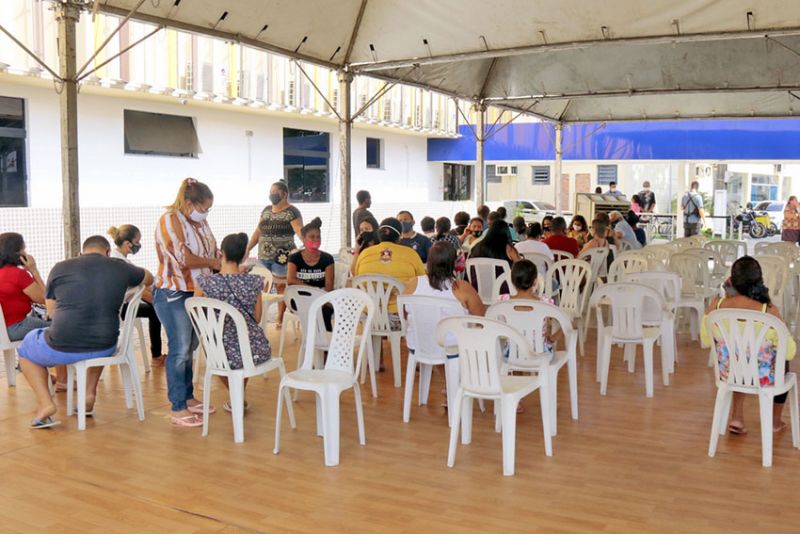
{"x": 13, "y": 164}
{"x": 374, "y": 153}
{"x": 159, "y": 134}
{"x": 306, "y": 156}
{"x": 457, "y": 183}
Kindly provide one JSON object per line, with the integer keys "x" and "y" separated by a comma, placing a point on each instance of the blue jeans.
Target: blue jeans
{"x": 18, "y": 330}
{"x": 181, "y": 341}
{"x": 277, "y": 270}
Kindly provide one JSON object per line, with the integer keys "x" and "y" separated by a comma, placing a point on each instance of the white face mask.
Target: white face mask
{"x": 196, "y": 216}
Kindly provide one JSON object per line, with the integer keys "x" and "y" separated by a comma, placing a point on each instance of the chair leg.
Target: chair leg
{"x": 281, "y": 342}
{"x": 11, "y": 367}
{"x": 456, "y": 408}
{"x": 545, "y": 396}
{"x": 794, "y": 417}
{"x": 137, "y": 390}
{"x": 127, "y": 382}
{"x": 394, "y": 340}
{"x": 331, "y": 437}
{"x": 373, "y": 364}
{"x": 605, "y": 361}
{"x": 409, "y": 391}
{"x": 285, "y": 391}
{"x": 236, "y": 393}
{"x": 629, "y": 353}
{"x": 142, "y": 346}
{"x": 648, "y": 368}
{"x": 552, "y": 380}
{"x": 665, "y": 364}
{"x": 282, "y": 394}
{"x": 206, "y": 401}
{"x": 572, "y": 373}
{"x": 81, "y": 372}
{"x": 359, "y": 415}
{"x": 320, "y": 402}
{"x": 466, "y": 420}
{"x": 70, "y": 392}
{"x": 719, "y": 420}
{"x": 765, "y": 409}
{"x": 424, "y": 383}
{"x": 508, "y": 410}
{"x": 451, "y": 380}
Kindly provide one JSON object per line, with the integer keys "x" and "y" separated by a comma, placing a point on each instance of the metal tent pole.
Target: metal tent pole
{"x": 345, "y": 145}
{"x": 480, "y": 166}
{"x": 67, "y": 14}
{"x": 559, "y": 153}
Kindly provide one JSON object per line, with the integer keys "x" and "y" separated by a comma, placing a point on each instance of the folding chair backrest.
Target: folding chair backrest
{"x": 561, "y": 255}
{"x": 775, "y": 270}
{"x": 208, "y": 318}
{"x": 382, "y": 290}
{"x": 421, "y": 314}
{"x": 542, "y": 262}
{"x": 597, "y": 258}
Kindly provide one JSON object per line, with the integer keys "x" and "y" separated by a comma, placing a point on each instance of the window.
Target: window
{"x": 306, "y": 155}
{"x": 606, "y": 174}
{"x": 374, "y": 153}
{"x": 457, "y": 182}
{"x": 13, "y": 175}
{"x": 541, "y": 175}
{"x": 157, "y": 134}
{"x": 491, "y": 175}
{"x": 763, "y": 187}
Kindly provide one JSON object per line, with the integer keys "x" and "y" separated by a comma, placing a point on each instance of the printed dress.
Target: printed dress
{"x": 241, "y": 292}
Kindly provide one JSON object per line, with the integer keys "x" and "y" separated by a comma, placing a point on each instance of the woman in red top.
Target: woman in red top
{"x": 20, "y": 285}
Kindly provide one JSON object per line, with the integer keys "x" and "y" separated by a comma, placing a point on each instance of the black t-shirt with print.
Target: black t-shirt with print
{"x": 312, "y": 275}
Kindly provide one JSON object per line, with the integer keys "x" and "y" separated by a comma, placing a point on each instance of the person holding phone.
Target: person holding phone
{"x": 21, "y": 286}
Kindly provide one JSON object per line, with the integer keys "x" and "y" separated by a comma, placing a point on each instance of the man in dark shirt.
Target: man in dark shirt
{"x": 362, "y": 212}
{"x": 558, "y": 239}
{"x": 84, "y": 296}
{"x": 420, "y": 243}
{"x": 647, "y": 199}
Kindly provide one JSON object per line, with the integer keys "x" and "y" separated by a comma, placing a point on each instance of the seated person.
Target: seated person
{"x": 558, "y": 239}
{"x": 745, "y": 290}
{"x": 310, "y": 266}
{"x": 519, "y": 226}
{"x": 578, "y": 230}
{"x": 20, "y": 286}
{"x": 547, "y": 222}
{"x": 632, "y": 219}
{"x": 443, "y": 233}
{"x": 473, "y": 233}
{"x": 502, "y": 214}
{"x": 533, "y": 243}
{"x": 419, "y": 243}
{"x": 461, "y": 221}
{"x": 598, "y": 236}
{"x": 367, "y": 236}
{"x": 84, "y": 295}
{"x": 127, "y": 240}
{"x": 241, "y": 290}
{"x": 623, "y": 230}
{"x": 428, "y": 225}
{"x": 496, "y": 244}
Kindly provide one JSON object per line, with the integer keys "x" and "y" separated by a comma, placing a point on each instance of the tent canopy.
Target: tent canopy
{"x": 562, "y": 60}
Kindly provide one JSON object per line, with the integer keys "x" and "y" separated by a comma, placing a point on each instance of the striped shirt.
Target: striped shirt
{"x": 173, "y": 233}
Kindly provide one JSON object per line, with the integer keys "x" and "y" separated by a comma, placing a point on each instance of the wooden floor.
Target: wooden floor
{"x": 629, "y": 464}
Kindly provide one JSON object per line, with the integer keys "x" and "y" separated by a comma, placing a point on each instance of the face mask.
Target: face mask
{"x": 196, "y": 216}
{"x": 408, "y": 227}
{"x": 477, "y": 233}
{"x": 546, "y": 228}
{"x": 311, "y": 246}
{"x": 275, "y": 198}
{"x": 577, "y": 228}
{"x": 135, "y": 248}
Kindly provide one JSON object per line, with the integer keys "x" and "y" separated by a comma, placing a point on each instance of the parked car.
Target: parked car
{"x": 532, "y": 210}
{"x": 774, "y": 209}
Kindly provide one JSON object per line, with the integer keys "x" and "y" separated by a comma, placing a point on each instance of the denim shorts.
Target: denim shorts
{"x": 277, "y": 270}
{"x": 35, "y": 349}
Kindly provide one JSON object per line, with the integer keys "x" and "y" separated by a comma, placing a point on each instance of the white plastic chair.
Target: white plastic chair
{"x": 482, "y": 273}
{"x": 341, "y": 275}
{"x": 597, "y": 258}
{"x": 574, "y": 286}
{"x": 9, "y": 349}
{"x": 729, "y": 250}
{"x": 424, "y": 314}
{"x": 268, "y": 298}
{"x": 382, "y": 289}
{"x": 627, "y": 262}
{"x": 123, "y": 357}
{"x": 627, "y": 302}
{"x": 351, "y": 308}
{"x": 345, "y": 256}
{"x": 561, "y": 255}
{"x": 542, "y": 261}
{"x": 696, "y": 287}
{"x": 744, "y": 333}
{"x": 781, "y": 248}
{"x": 529, "y": 317}
{"x": 658, "y": 256}
{"x": 479, "y": 358}
{"x": 775, "y": 270}
{"x": 717, "y": 268}
{"x": 208, "y": 320}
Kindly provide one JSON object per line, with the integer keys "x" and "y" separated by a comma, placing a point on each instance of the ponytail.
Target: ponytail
{"x": 190, "y": 190}
{"x": 760, "y": 293}
{"x": 126, "y": 232}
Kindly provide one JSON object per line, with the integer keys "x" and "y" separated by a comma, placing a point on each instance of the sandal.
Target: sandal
{"x": 190, "y": 421}
{"x": 736, "y": 429}
{"x": 198, "y": 409}
{"x": 779, "y": 428}
{"x": 227, "y": 406}
{"x": 44, "y": 422}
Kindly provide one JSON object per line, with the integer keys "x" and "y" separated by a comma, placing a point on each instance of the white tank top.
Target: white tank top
{"x": 424, "y": 289}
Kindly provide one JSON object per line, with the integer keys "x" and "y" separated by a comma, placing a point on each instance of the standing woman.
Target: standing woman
{"x": 186, "y": 249}
{"x": 127, "y": 241}
{"x": 791, "y": 221}
{"x": 274, "y": 236}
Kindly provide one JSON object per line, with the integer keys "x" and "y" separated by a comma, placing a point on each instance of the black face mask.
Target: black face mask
{"x": 135, "y": 248}
{"x": 275, "y": 198}
{"x": 546, "y": 228}
{"x": 477, "y": 233}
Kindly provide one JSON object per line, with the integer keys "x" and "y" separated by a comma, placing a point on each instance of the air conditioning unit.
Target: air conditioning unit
{"x": 506, "y": 170}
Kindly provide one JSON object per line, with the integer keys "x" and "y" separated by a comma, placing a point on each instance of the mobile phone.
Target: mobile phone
{"x": 23, "y": 258}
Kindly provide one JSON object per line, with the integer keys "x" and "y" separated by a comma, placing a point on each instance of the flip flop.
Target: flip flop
{"x": 737, "y": 430}
{"x": 189, "y": 421}
{"x": 227, "y": 406}
{"x": 780, "y": 428}
{"x": 198, "y": 409}
{"x": 44, "y": 422}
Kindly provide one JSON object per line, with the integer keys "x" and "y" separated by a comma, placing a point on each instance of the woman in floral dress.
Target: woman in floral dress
{"x": 242, "y": 291}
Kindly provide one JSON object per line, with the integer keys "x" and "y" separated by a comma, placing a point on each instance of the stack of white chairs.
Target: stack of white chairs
{"x": 696, "y": 287}
{"x": 744, "y": 334}
{"x": 533, "y": 320}
{"x": 480, "y": 356}
{"x": 569, "y": 283}
{"x": 9, "y": 349}
{"x": 208, "y": 318}
{"x": 382, "y": 290}
{"x": 123, "y": 357}
{"x": 482, "y": 273}
{"x": 352, "y": 309}
{"x": 627, "y": 302}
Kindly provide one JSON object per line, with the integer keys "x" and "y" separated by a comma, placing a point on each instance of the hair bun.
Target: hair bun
{"x": 113, "y": 231}
{"x": 316, "y": 222}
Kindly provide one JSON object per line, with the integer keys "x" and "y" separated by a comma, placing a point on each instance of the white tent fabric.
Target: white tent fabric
{"x": 563, "y": 60}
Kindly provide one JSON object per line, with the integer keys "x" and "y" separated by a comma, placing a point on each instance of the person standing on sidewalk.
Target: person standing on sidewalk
{"x": 791, "y": 221}
{"x": 694, "y": 218}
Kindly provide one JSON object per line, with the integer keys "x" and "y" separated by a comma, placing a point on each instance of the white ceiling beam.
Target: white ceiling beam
{"x": 643, "y": 92}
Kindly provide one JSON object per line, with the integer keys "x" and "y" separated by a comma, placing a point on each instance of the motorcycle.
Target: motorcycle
{"x": 764, "y": 218}
{"x": 749, "y": 223}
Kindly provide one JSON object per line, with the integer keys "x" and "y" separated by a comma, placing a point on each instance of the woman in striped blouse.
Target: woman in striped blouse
{"x": 186, "y": 249}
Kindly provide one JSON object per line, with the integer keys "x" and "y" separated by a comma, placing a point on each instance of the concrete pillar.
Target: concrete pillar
{"x": 480, "y": 164}
{"x": 559, "y": 154}
{"x": 67, "y": 14}
{"x": 345, "y": 149}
